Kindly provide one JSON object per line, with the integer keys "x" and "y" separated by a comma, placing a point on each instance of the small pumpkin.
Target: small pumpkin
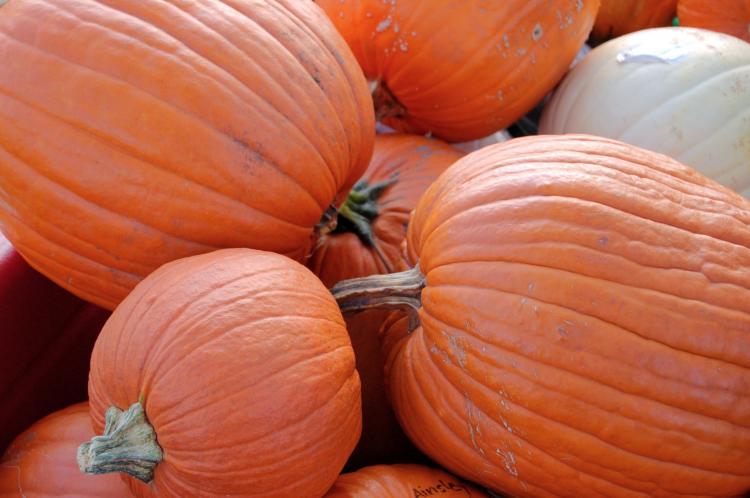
{"x": 136, "y": 132}
{"x": 401, "y": 481}
{"x": 224, "y": 374}
{"x": 725, "y": 16}
{"x": 369, "y": 230}
{"x": 612, "y": 93}
{"x": 582, "y": 324}
{"x": 41, "y": 462}
{"x": 46, "y": 337}
{"x": 461, "y": 69}
{"x": 619, "y": 17}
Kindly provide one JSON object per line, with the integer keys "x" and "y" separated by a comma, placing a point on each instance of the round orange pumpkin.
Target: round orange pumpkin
{"x": 369, "y": 231}
{"x": 225, "y": 374}
{"x": 725, "y": 16}
{"x": 461, "y": 69}
{"x": 619, "y": 17}
{"x": 401, "y": 481}
{"x": 136, "y": 132}
{"x": 583, "y": 323}
{"x": 41, "y": 461}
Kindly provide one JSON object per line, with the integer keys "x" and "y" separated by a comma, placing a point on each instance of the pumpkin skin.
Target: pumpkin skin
{"x": 726, "y": 16}
{"x": 584, "y": 325}
{"x": 415, "y": 162}
{"x": 246, "y": 373}
{"x": 619, "y": 17}
{"x": 696, "y": 70}
{"x": 401, "y": 481}
{"x": 44, "y": 356}
{"x": 41, "y": 461}
{"x": 137, "y": 132}
{"x": 510, "y": 55}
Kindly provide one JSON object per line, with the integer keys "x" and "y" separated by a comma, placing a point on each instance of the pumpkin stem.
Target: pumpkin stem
{"x": 128, "y": 445}
{"x": 402, "y": 290}
{"x": 386, "y": 104}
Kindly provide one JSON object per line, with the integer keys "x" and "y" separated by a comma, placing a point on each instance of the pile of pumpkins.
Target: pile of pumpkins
{"x": 377, "y": 248}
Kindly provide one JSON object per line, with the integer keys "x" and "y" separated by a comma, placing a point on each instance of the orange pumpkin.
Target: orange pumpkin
{"x": 725, "y": 16}
{"x": 461, "y": 69}
{"x": 401, "y": 481}
{"x": 225, "y": 374}
{"x": 136, "y": 132}
{"x": 370, "y": 228}
{"x": 583, "y": 323}
{"x": 41, "y": 461}
{"x": 619, "y": 17}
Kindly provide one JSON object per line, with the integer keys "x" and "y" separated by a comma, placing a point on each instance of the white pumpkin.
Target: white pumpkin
{"x": 684, "y": 92}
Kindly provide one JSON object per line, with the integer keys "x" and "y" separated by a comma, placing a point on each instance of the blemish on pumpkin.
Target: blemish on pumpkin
{"x": 603, "y": 241}
{"x": 383, "y": 25}
{"x": 537, "y": 33}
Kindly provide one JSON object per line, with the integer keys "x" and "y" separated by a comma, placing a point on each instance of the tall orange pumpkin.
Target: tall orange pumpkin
{"x": 225, "y": 374}
{"x": 461, "y": 69}
{"x": 619, "y": 17}
{"x": 41, "y": 461}
{"x": 401, "y": 481}
{"x": 584, "y": 323}
{"x": 725, "y": 16}
{"x": 136, "y": 132}
{"x": 370, "y": 230}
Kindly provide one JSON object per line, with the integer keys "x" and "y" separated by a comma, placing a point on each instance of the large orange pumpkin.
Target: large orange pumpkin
{"x": 225, "y": 374}
{"x": 461, "y": 69}
{"x": 584, "y": 323}
{"x": 41, "y": 462}
{"x": 369, "y": 232}
{"x": 725, "y": 16}
{"x": 401, "y": 481}
{"x": 136, "y": 132}
{"x": 619, "y": 17}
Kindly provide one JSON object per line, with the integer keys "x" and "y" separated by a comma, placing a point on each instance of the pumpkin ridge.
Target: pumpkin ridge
{"x": 129, "y": 150}
{"x": 705, "y": 354}
{"x": 239, "y": 80}
{"x": 716, "y": 132}
{"x": 565, "y": 427}
{"x": 132, "y": 151}
{"x": 159, "y": 346}
{"x": 206, "y": 446}
{"x": 642, "y": 205}
{"x": 334, "y": 51}
{"x": 530, "y": 260}
{"x": 153, "y": 385}
{"x": 87, "y": 292}
{"x": 527, "y": 378}
{"x": 684, "y": 94}
{"x": 449, "y": 432}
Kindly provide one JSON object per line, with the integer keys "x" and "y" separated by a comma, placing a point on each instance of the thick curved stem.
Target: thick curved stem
{"x": 127, "y": 445}
{"x": 401, "y": 290}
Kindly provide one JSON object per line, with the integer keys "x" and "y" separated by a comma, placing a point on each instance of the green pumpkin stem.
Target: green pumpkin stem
{"x": 360, "y": 210}
{"x": 128, "y": 445}
{"x": 402, "y": 291}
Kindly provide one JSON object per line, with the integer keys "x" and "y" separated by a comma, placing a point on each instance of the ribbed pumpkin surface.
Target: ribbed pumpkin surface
{"x": 136, "y": 132}
{"x": 585, "y": 325}
{"x": 461, "y": 69}
{"x": 246, "y": 372}
{"x": 41, "y": 462}
{"x": 401, "y": 481}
